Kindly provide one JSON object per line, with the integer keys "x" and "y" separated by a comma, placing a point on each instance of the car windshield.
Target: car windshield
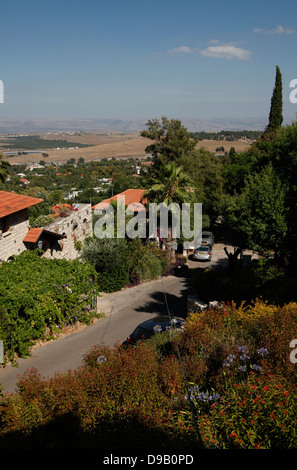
{"x": 140, "y": 332}
{"x": 205, "y": 235}
{"x": 202, "y": 248}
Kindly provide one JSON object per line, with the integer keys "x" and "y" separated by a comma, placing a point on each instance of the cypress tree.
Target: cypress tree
{"x": 276, "y": 107}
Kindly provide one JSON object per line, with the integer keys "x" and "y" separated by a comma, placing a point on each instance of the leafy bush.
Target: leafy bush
{"x": 261, "y": 279}
{"x": 121, "y": 262}
{"x": 116, "y": 401}
{"x": 257, "y": 414}
{"x": 212, "y": 335}
{"x": 110, "y": 257}
{"x": 38, "y": 296}
{"x": 149, "y": 267}
{"x": 237, "y": 367}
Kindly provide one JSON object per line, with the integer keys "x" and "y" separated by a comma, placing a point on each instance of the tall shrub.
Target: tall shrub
{"x": 110, "y": 257}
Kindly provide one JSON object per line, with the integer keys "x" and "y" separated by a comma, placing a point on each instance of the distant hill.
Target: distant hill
{"x": 17, "y": 126}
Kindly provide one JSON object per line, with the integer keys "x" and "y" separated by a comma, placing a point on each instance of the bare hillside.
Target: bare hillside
{"x": 110, "y": 145}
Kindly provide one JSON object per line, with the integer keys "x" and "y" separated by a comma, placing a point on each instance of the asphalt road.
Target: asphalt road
{"x": 123, "y": 310}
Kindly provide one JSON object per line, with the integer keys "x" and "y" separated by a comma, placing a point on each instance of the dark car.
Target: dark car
{"x": 149, "y": 328}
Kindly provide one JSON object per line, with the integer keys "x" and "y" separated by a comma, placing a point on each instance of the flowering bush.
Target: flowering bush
{"x": 118, "y": 399}
{"x": 257, "y": 414}
{"x": 243, "y": 392}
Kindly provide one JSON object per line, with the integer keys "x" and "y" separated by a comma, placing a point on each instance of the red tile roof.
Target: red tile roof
{"x": 34, "y": 234}
{"x": 12, "y": 202}
{"x": 132, "y": 196}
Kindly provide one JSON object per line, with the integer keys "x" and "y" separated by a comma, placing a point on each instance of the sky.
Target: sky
{"x": 112, "y": 59}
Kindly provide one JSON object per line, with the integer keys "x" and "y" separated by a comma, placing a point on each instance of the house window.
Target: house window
{"x": 74, "y": 228}
{"x": 85, "y": 226}
{"x": 5, "y": 222}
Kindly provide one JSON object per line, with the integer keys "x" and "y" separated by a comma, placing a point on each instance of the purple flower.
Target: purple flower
{"x": 262, "y": 352}
{"x": 101, "y": 359}
{"x": 157, "y": 328}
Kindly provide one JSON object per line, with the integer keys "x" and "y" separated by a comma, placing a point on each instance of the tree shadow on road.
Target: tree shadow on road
{"x": 177, "y": 304}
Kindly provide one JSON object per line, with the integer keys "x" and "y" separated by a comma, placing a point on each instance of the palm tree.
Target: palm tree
{"x": 4, "y": 169}
{"x": 172, "y": 186}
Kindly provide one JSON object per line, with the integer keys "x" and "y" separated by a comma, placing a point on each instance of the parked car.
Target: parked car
{"x": 207, "y": 238}
{"x": 150, "y": 327}
{"x": 202, "y": 253}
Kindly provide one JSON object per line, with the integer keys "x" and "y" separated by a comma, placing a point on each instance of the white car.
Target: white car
{"x": 202, "y": 253}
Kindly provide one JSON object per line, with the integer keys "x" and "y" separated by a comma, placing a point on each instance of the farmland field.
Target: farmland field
{"x": 103, "y": 145}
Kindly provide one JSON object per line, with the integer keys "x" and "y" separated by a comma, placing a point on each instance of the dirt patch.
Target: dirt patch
{"x": 115, "y": 145}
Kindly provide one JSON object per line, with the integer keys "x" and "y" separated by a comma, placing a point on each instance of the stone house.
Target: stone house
{"x": 14, "y": 222}
{"x": 56, "y": 239}
{"x": 73, "y": 226}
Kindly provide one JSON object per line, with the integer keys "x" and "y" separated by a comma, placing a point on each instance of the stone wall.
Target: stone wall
{"x": 76, "y": 227}
{"x": 13, "y": 229}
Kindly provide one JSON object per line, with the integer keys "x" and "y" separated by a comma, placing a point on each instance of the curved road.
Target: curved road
{"x": 123, "y": 310}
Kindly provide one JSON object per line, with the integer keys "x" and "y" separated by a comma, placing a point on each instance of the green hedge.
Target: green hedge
{"x": 38, "y": 296}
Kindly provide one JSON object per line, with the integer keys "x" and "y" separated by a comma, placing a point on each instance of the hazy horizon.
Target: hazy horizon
{"x": 34, "y": 125}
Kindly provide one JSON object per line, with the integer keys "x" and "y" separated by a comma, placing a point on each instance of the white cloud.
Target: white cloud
{"x": 278, "y": 30}
{"x": 226, "y": 52}
{"x": 216, "y": 49}
{"x": 181, "y": 50}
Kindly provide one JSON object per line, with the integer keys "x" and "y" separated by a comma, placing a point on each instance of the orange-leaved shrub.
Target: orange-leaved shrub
{"x": 238, "y": 372}
{"x": 257, "y": 414}
{"x": 211, "y": 335}
{"x": 119, "y": 398}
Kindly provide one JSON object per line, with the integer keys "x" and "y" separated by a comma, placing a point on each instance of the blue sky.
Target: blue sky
{"x": 144, "y": 59}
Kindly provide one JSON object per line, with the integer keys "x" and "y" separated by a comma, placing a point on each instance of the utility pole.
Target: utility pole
{"x": 1, "y": 352}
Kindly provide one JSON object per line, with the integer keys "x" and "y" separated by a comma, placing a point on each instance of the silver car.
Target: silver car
{"x": 202, "y": 253}
{"x": 207, "y": 238}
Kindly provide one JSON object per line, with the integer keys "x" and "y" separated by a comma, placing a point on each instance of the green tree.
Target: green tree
{"x": 276, "y": 107}
{"x": 206, "y": 171}
{"x": 257, "y": 217}
{"x": 56, "y": 197}
{"x": 172, "y": 141}
{"x": 4, "y": 169}
{"x": 172, "y": 186}
{"x": 283, "y": 156}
